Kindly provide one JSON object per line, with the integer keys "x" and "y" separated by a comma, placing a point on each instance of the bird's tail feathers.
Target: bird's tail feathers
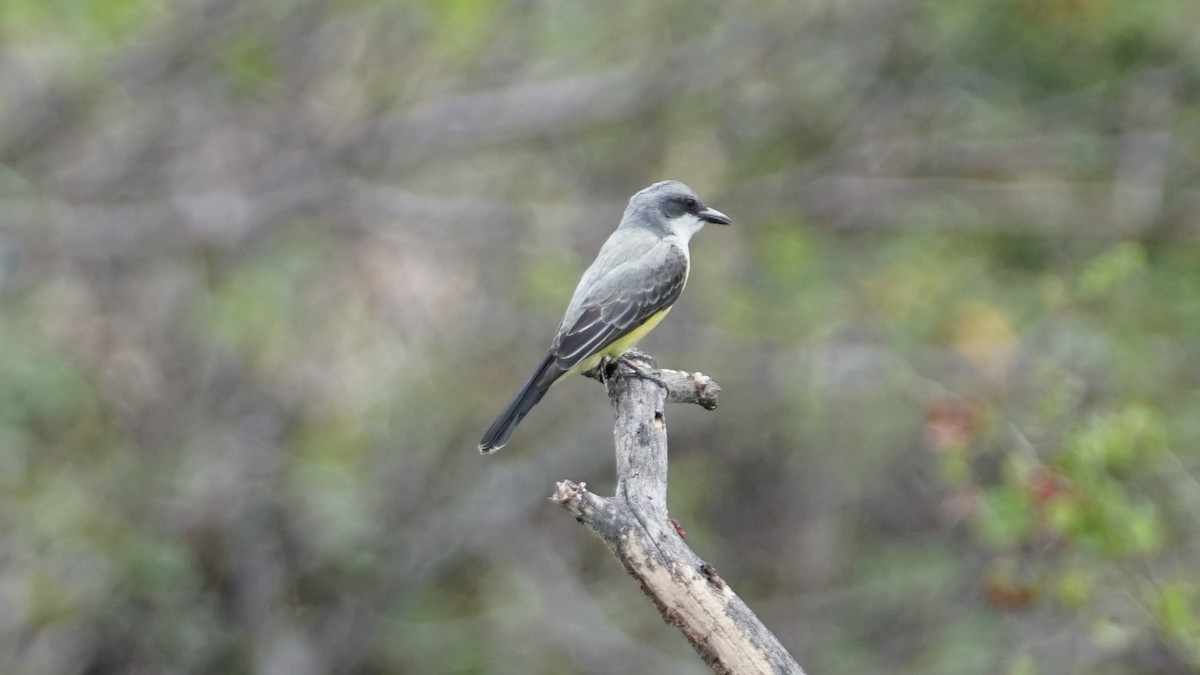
{"x": 530, "y": 393}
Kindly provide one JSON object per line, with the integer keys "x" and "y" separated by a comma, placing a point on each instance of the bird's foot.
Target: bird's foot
{"x": 633, "y": 361}
{"x": 606, "y": 369}
{"x": 603, "y": 371}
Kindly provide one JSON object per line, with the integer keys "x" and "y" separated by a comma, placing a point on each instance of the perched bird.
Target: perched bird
{"x": 627, "y": 291}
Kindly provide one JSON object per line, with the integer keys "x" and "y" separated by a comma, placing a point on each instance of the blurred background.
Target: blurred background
{"x": 269, "y": 268}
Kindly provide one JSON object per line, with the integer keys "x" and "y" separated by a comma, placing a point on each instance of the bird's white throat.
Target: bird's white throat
{"x": 685, "y": 226}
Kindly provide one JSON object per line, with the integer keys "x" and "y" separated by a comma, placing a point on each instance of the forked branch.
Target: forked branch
{"x": 634, "y": 523}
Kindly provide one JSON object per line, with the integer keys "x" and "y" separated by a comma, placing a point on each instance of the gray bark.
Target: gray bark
{"x": 634, "y": 523}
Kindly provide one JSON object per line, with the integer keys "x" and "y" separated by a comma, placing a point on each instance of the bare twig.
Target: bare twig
{"x": 687, "y": 591}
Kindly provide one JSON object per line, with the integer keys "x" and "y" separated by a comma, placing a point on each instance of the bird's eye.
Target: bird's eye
{"x": 690, "y": 203}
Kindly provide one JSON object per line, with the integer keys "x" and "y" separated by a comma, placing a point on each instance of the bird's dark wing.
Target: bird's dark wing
{"x": 628, "y": 297}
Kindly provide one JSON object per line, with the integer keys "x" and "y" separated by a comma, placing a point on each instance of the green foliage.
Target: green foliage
{"x": 248, "y": 62}
{"x": 86, "y": 23}
{"x": 462, "y": 27}
{"x": 1061, "y": 45}
{"x": 263, "y": 267}
{"x": 1096, "y": 494}
{"x": 257, "y": 309}
{"x": 1178, "y": 610}
{"x": 1112, "y": 269}
{"x": 1006, "y": 516}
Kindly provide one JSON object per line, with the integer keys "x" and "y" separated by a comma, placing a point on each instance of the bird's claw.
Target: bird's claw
{"x": 629, "y": 360}
{"x": 606, "y": 369}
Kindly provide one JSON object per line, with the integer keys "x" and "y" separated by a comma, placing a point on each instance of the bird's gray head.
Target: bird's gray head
{"x": 670, "y": 207}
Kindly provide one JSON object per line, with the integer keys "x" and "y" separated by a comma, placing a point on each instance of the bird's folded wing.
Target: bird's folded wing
{"x": 620, "y": 302}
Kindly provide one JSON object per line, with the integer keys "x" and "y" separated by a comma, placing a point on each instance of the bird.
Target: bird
{"x": 630, "y": 287}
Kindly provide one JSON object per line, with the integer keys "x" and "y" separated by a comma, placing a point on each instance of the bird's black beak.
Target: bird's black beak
{"x": 712, "y": 215}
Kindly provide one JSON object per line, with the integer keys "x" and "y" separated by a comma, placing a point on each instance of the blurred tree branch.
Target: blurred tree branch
{"x": 635, "y": 525}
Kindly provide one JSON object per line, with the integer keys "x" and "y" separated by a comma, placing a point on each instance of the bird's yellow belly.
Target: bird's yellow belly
{"x": 621, "y": 344}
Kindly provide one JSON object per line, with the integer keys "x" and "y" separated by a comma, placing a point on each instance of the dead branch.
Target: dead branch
{"x": 634, "y": 523}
